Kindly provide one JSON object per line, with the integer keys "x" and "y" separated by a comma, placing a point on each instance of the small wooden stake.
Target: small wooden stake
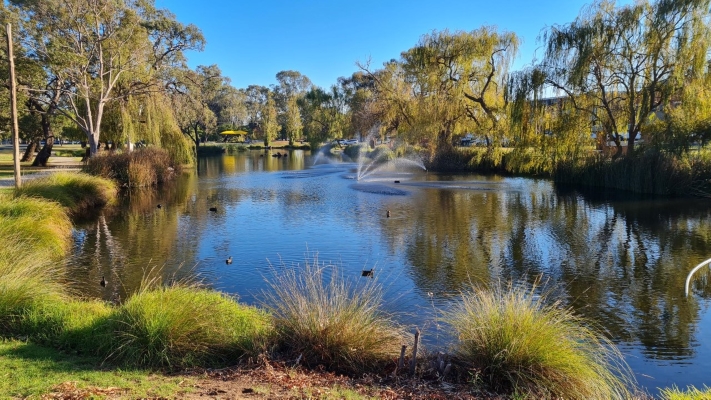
{"x": 401, "y": 364}
{"x": 413, "y": 362}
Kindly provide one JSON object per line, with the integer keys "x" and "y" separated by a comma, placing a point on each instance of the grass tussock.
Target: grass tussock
{"x": 326, "y": 320}
{"x": 142, "y": 167}
{"x": 185, "y": 326}
{"x": 77, "y": 192}
{"x": 691, "y": 393}
{"x": 523, "y": 345}
{"x": 26, "y": 280}
{"x": 33, "y": 227}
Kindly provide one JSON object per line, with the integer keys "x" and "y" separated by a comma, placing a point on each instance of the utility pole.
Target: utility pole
{"x": 13, "y": 109}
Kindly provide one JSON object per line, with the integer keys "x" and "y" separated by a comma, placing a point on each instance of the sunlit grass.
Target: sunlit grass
{"x": 31, "y": 371}
{"x": 184, "y": 326}
{"x": 36, "y": 226}
{"x": 521, "y": 344}
{"x": 77, "y": 192}
{"x": 329, "y": 321}
{"x": 691, "y": 393}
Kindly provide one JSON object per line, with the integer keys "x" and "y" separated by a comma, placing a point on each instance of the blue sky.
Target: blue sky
{"x": 253, "y": 40}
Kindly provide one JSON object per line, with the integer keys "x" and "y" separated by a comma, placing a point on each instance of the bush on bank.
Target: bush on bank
{"x": 184, "y": 326}
{"x": 147, "y": 166}
{"x": 324, "y": 320}
{"x": 520, "y": 344}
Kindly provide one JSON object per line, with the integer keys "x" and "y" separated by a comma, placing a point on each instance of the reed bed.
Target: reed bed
{"x": 323, "y": 319}
{"x": 520, "y": 344}
{"x": 77, "y": 192}
{"x": 142, "y": 167}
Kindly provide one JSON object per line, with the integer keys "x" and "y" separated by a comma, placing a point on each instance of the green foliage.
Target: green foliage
{"x": 77, "y": 192}
{"x": 211, "y": 150}
{"x": 141, "y": 167}
{"x": 691, "y": 393}
{"x": 521, "y": 344}
{"x": 330, "y": 321}
{"x": 183, "y": 326}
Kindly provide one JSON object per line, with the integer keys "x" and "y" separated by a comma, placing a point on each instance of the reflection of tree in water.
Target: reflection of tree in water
{"x": 132, "y": 243}
{"x": 622, "y": 263}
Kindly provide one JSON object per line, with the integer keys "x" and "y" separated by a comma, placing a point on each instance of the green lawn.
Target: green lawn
{"x": 29, "y": 371}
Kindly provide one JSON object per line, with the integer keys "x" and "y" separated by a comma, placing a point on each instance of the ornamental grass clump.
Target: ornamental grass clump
{"x": 77, "y": 192}
{"x": 26, "y": 279}
{"x": 323, "y": 319}
{"x": 184, "y": 326}
{"x": 517, "y": 342}
{"x": 691, "y": 393}
{"x": 31, "y": 223}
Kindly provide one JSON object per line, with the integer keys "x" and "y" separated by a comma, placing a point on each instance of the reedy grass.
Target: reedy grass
{"x": 523, "y": 345}
{"x": 77, "y": 192}
{"x": 691, "y": 393}
{"x": 26, "y": 280}
{"x": 184, "y": 326}
{"x": 330, "y": 321}
{"x": 142, "y": 167}
{"x": 38, "y": 225}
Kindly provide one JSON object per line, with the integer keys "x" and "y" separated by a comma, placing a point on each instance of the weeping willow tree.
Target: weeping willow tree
{"x": 149, "y": 120}
{"x": 618, "y": 66}
{"x": 448, "y": 84}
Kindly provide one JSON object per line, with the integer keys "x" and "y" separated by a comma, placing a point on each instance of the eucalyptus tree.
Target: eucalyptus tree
{"x": 291, "y": 86}
{"x": 621, "y": 64}
{"x": 229, "y": 105}
{"x": 92, "y": 47}
{"x": 255, "y": 100}
{"x": 324, "y": 115}
{"x": 193, "y": 93}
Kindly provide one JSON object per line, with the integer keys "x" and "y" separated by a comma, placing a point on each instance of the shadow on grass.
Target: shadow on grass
{"x": 31, "y": 370}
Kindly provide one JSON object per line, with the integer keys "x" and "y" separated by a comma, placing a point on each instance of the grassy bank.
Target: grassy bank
{"x": 76, "y": 192}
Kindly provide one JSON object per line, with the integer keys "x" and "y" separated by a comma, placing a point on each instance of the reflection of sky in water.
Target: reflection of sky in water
{"x": 624, "y": 257}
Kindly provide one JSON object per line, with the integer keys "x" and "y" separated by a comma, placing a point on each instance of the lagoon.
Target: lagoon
{"x": 619, "y": 260}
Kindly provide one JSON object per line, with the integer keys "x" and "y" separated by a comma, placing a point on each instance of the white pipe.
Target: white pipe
{"x": 688, "y": 278}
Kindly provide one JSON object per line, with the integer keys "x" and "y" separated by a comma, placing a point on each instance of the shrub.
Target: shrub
{"x": 331, "y": 322}
{"x": 77, "y": 192}
{"x": 184, "y": 326}
{"x": 519, "y": 343}
{"x": 141, "y": 167}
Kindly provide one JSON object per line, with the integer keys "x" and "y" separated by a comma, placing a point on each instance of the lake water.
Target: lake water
{"x": 618, "y": 260}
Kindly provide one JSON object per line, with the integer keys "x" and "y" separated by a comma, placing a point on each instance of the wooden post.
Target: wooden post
{"x": 401, "y": 364}
{"x": 13, "y": 109}
{"x": 413, "y": 362}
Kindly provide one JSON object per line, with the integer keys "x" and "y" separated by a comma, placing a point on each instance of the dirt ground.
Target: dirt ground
{"x": 275, "y": 381}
